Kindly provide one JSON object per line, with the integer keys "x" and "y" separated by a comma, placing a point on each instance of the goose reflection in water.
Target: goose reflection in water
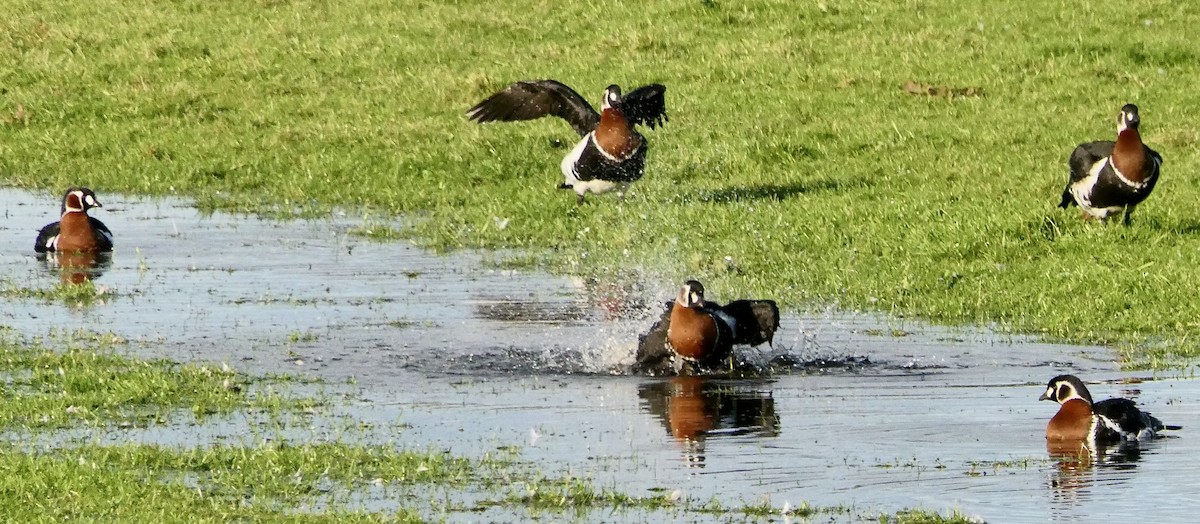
{"x": 1079, "y": 465}
{"x": 77, "y": 267}
{"x": 695, "y": 408}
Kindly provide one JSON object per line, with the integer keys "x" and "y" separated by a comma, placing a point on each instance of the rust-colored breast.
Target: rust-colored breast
{"x": 1129, "y": 155}
{"x": 688, "y": 411}
{"x": 693, "y": 333}
{"x": 75, "y": 233}
{"x": 615, "y": 136}
{"x": 1073, "y": 422}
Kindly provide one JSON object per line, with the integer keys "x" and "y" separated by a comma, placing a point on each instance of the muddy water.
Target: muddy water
{"x": 876, "y": 415}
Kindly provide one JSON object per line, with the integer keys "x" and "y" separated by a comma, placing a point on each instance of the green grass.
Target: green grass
{"x": 141, "y": 483}
{"x": 75, "y": 295}
{"x": 793, "y": 148}
{"x": 795, "y": 166}
{"x": 925, "y": 517}
{"x": 379, "y": 233}
{"x": 94, "y": 385}
{"x": 764, "y": 510}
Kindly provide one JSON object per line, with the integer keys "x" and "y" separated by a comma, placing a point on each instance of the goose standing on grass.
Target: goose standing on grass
{"x": 1109, "y": 421}
{"x": 610, "y": 154}
{"x": 1107, "y": 176}
{"x": 75, "y": 231}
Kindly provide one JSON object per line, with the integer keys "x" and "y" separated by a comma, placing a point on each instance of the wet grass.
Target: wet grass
{"x": 146, "y": 483}
{"x": 901, "y": 157}
{"x": 380, "y": 232}
{"x": 924, "y": 517}
{"x": 93, "y": 385}
{"x": 998, "y": 465}
{"x": 766, "y": 510}
{"x": 75, "y": 295}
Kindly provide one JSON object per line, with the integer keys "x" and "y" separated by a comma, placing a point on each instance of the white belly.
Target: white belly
{"x": 597, "y": 186}
{"x": 568, "y": 162}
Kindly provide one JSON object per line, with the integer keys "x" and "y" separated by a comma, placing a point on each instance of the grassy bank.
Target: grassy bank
{"x": 794, "y": 146}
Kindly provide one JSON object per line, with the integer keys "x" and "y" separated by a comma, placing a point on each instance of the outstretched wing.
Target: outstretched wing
{"x": 646, "y": 105}
{"x": 653, "y": 355}
{"x": 757, "y": 320}
{"x": 531, "y": 99}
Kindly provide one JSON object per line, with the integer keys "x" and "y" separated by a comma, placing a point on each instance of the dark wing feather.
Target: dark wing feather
{"x": 1086, "y": 155}
{"x": 718, "y": 358}
{"x": 1126, "y": 415}
{"x": 1067, "y": 198}
{"x": 646, "y": 105}
{"x": 653, "y": 355}
{"x": 104, "y": 237}
{"x": 757, "y": 320}
{"x": 42, "y": 244}
{"x": 1157, "y": 158}
{"x": 532, "y": 99}
{"x": 1082, "y": 159}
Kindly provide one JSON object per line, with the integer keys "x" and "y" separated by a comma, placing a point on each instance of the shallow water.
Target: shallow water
{"x": 881, "y": 415}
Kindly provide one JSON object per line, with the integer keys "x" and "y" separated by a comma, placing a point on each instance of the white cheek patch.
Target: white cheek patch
{"x": 1066, "y": 392}
{"x": 89, "y": 200}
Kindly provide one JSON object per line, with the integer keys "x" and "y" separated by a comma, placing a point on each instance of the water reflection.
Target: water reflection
{"x": 693, "y": 408}
{"x": 1079, "y": 467}
{"x": 76, "y": 267}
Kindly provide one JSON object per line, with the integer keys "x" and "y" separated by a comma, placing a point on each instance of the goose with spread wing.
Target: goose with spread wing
{"x": 611, "y": 154}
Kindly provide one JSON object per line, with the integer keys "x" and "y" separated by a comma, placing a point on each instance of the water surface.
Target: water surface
{"x": 879, "y": 415}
